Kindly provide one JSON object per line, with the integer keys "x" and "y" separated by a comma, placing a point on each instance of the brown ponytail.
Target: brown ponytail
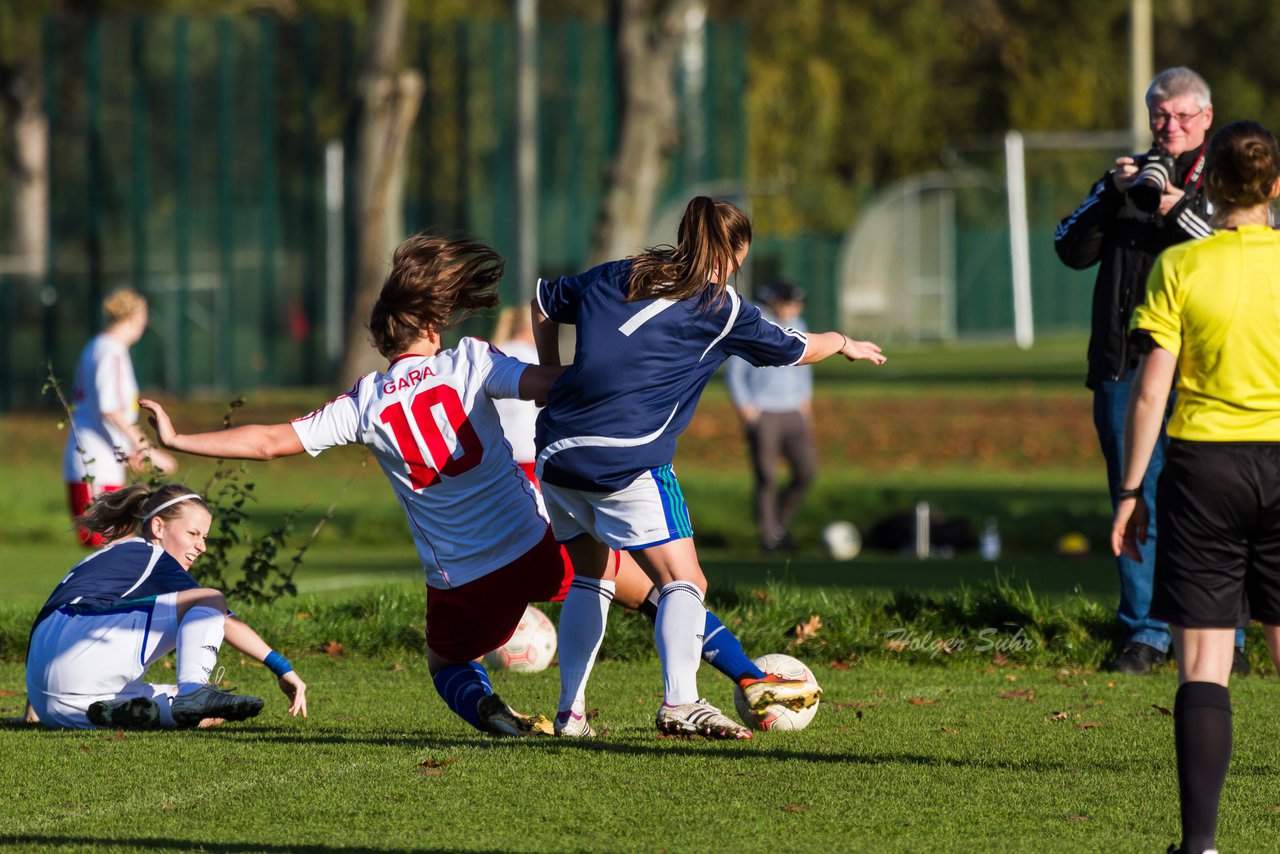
{"x": 1243, "y": 163}
{"x": 434, "y": 282}
{"x": 711, "y": 235}
{"x": 121, "y": 513}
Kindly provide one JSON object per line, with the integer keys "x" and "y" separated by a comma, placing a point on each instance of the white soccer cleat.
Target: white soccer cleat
{"x": 500, "y": 719}
{"x": 775, "y": 690}
{"x": 700, "y": 718}
{"x": 570, "y": 724}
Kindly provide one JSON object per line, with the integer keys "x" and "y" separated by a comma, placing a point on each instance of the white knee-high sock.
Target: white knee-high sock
{"x": 199, "y": 638}
{"x": 582, "y": 621}
{"x": 678, "y": 631}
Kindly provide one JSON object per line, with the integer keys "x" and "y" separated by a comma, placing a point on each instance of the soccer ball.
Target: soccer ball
{"x": 841, "y": 540}
{"x": 530, "y": 649}
{"x": 778, "y": 717}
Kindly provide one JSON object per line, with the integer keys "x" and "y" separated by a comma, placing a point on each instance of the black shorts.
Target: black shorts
{"x": 1218, "y": 547}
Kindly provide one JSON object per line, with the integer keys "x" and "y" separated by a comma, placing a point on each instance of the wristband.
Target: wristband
{"x": 1128, "y": 493}
{"x": 277, "y": 663}
{"x": 844, "y": 342}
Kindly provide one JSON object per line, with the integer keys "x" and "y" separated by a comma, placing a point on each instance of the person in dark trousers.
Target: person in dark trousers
{"x": 1209, "y": 320}
{"x": 775, "y": 405}
{"x": 1122, "y": 226}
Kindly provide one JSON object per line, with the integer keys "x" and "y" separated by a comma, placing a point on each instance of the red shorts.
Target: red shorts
{"x": 79, "y": 496}
{"x": 463, "y": 623}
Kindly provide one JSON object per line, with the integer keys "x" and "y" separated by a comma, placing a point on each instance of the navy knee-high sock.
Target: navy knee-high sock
{"x": 1202, "y": 738}
{"x": 461, "y": 686}
{"x": 720, "y": 647}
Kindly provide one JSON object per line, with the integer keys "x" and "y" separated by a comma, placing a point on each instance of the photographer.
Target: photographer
{"x": 1146, "y": 204}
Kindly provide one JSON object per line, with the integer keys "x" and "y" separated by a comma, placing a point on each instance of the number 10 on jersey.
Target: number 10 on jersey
{"x": 433, "y": 446}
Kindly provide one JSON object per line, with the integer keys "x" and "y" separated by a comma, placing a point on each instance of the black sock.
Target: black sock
{"x": 1202, "y": 738}
{"x": 649, "y": 607}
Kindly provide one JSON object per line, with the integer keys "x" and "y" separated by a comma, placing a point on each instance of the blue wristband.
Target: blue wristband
{"x": 277, "y": 663}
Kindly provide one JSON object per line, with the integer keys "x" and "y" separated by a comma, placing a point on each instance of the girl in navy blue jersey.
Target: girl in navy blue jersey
{"x": 121, "y": 609}
{"x": 651, "y": 330}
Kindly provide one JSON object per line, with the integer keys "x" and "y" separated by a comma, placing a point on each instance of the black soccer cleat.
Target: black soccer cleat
{"x": 210, "y": 702}
{"x": 125, "y": 713}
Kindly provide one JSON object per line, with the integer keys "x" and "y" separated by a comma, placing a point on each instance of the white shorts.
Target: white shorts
{"x": 649, "y": 511}
{"x": 78, "y": 658}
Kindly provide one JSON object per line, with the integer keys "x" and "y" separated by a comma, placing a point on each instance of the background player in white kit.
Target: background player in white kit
{"x": 430, "y": 421}
{"x": 651, "y": 330}
{"x": 122, "y": 608}
{"x": 104, "y": 436}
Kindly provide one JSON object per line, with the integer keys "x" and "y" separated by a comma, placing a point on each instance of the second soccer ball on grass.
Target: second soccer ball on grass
{"x": 842, "y": 540}
{"x": 532, "y": 647}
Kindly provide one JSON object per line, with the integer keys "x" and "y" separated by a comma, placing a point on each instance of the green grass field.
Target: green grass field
{"x": 915, "y": 748}
{"x": 899, "y": 758}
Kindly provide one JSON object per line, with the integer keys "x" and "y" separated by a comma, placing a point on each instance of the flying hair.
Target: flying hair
{"x": 435, "y": 282}
{"x": 703, "y": 261}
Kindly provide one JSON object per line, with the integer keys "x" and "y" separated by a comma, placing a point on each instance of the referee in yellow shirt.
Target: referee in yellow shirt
{"x": 1212, "y": 318}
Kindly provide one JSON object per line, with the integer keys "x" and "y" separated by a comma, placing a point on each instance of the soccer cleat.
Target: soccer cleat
{"x": 775, "y": 690}
{"x": 700, "y": 718}
{"x": 210, "y": 702}
{"x": 500, "y": 719}
{"x": 572, "y": 725}
{"x": 124, "y": 712}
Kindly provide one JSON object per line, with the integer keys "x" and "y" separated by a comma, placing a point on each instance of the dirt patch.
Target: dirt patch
{"x": 935, "y": 432}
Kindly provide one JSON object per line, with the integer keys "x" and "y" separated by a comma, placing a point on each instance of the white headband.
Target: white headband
{"x": 170, "y": 503}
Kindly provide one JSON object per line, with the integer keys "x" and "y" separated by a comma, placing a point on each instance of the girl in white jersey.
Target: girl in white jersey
{"x": 104, "y": 437}
{"x": 651, "y": 330}
{"x": 430, "y": 421}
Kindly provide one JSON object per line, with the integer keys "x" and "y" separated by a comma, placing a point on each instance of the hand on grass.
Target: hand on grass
{"x": 296, "y": 690}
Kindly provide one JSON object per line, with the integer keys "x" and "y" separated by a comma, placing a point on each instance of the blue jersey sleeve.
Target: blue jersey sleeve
{"x": 762, "y": 342}
{"x": 561, "y": 297}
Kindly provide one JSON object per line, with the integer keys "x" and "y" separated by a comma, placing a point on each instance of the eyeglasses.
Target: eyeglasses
{"x": 1184, "y": 119}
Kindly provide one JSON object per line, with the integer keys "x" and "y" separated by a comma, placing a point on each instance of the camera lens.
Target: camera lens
{"x": 1150, "y": 181}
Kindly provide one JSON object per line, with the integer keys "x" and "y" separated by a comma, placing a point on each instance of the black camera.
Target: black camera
{"x": 1155, "y": 170}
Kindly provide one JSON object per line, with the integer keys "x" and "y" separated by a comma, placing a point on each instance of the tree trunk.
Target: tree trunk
{"x": 647, "y": 44}
{"x": 26, "y": 147}
{"x": 388, "y": 105}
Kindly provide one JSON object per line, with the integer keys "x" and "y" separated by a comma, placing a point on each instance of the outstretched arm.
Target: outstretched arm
{"x": 241, "y": 637}
{"x": 250, "y": 442}
{"x": 824, "y": 344}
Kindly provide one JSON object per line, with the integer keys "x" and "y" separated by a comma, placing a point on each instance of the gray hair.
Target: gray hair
{"x": 1176, "y": 82}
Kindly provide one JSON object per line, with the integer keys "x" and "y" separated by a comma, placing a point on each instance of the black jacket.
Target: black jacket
{"x": 1110, "y": 231}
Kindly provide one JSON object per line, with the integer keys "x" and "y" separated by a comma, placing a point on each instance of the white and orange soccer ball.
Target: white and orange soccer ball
{"x": 778, "y": 717}
{"x": 530, "y": 649}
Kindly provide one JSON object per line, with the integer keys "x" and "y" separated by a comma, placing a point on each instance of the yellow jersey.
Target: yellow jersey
{"x": 1215, "y": 304}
